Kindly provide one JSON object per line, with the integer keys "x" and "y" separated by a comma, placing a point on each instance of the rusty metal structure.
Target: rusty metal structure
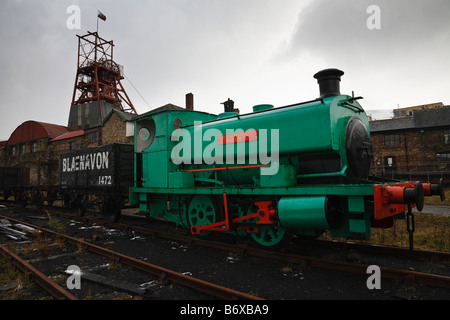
{"x": 98, "y": 88}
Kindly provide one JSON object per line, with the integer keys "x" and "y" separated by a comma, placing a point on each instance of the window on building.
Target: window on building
{"x": 73, "y": 145}
{"x": 392, "y": 140}
{"x": 447, "y": 136}
{"x": 34, "y": 147}
{"x": 93, "y": 136}
{"x": 13, "y": 151}
{"x": 443, "y": 156}
{"x": 23, "y": 148}
{"x": 129, "y": 131}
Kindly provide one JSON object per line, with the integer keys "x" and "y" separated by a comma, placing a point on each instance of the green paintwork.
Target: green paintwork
{"x": 269, "y": 236}
{"x": 201, "y": 211}
{"x": 315, "y": 128}
{"x": 307, "y": 212}
{"x": 312, "y": 128}
{"x": 341, "y": 189}
{"x": 285, "y": 177}
{"x": 181, "y": 179}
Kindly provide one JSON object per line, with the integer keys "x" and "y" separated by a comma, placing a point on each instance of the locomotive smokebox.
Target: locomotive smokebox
{"x": 329, "y": 80}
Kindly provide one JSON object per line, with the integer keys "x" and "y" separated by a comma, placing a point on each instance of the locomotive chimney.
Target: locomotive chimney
{"x": 329, "y": 80}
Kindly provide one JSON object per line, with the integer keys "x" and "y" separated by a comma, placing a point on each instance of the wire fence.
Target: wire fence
{"x": 432, "y": 171}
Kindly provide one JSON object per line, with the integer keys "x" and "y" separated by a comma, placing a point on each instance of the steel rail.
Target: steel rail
{"x": 409, "y": 277}
{"x": 371, "y": 248}
{"x": 163, "y": 273}
{"x": 41, "y": 279}
{"x": 381, "y": 249}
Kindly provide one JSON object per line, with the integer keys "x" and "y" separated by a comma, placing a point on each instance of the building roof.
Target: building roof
{"x": 392, "y": 124}
{"x": 32, "y": 130}
{"x": 421, "y": 119}
{"x": 68, "y": 135}
{"x": 125, "y": 116}
{"x": 167, "y": 107}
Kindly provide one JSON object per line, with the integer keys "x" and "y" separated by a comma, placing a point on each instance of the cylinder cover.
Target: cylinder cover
{"x": 309, "y": 212}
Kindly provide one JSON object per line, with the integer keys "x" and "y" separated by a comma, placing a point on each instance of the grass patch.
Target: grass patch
{"x": 437, "y": 199}
{"x": 23, "y": 287}
{"x": 432, "y": 232}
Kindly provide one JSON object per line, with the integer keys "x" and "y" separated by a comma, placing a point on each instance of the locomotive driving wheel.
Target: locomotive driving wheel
{"x": 202, "y": 211}
{"x": 272, "y": 235}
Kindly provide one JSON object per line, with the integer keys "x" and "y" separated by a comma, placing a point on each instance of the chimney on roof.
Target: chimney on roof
{"x": 190, "y": 102}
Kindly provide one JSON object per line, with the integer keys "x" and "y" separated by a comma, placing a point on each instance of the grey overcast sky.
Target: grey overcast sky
{"x": 252, "y": 51}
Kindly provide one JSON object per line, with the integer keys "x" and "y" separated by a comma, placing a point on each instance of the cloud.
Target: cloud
{"x": 408, "y": 53}
{"x": 252, "y": 51}
{"x": 338, "y": 28}
{"x": 33, "y": 61}
{"x": 211, "y": 48}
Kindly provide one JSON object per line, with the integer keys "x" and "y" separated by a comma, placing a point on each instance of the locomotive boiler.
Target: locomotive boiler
{"x": 297, "y": 169}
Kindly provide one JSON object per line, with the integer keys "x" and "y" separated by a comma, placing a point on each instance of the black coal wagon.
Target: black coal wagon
{"x": 13, "y": 180}
{"x": 97, "y": 177}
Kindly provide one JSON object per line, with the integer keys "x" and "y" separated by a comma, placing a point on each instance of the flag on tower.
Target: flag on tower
{"x": 101, "y": 15}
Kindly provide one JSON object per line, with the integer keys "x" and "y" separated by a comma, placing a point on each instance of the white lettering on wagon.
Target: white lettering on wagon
{"x": 92, "y": 161}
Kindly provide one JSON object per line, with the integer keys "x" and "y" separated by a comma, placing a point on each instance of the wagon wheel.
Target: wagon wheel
{"x": 111, "y": 208}
{"x": 81, "y": 210}
{"x": 202, "y": 211}
{"x": 21, "y": 198}
{"x": 38, "y": 199}
{"x": 7, "y": 194}
{"x": 66, "y": 201}
{"x": 52, "y": 195}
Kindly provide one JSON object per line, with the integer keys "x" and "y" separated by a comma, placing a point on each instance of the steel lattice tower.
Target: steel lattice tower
{"x": 98, "y": 88}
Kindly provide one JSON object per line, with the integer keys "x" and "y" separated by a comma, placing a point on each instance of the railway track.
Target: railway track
{"x": 160, "y": 272}
{"x": 41, "y": 279}
{"x": 408, "y": 277}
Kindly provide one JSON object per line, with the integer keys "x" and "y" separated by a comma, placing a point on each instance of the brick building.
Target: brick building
{"x": 415, "y": 143}
{"x": 36, "y": 146}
